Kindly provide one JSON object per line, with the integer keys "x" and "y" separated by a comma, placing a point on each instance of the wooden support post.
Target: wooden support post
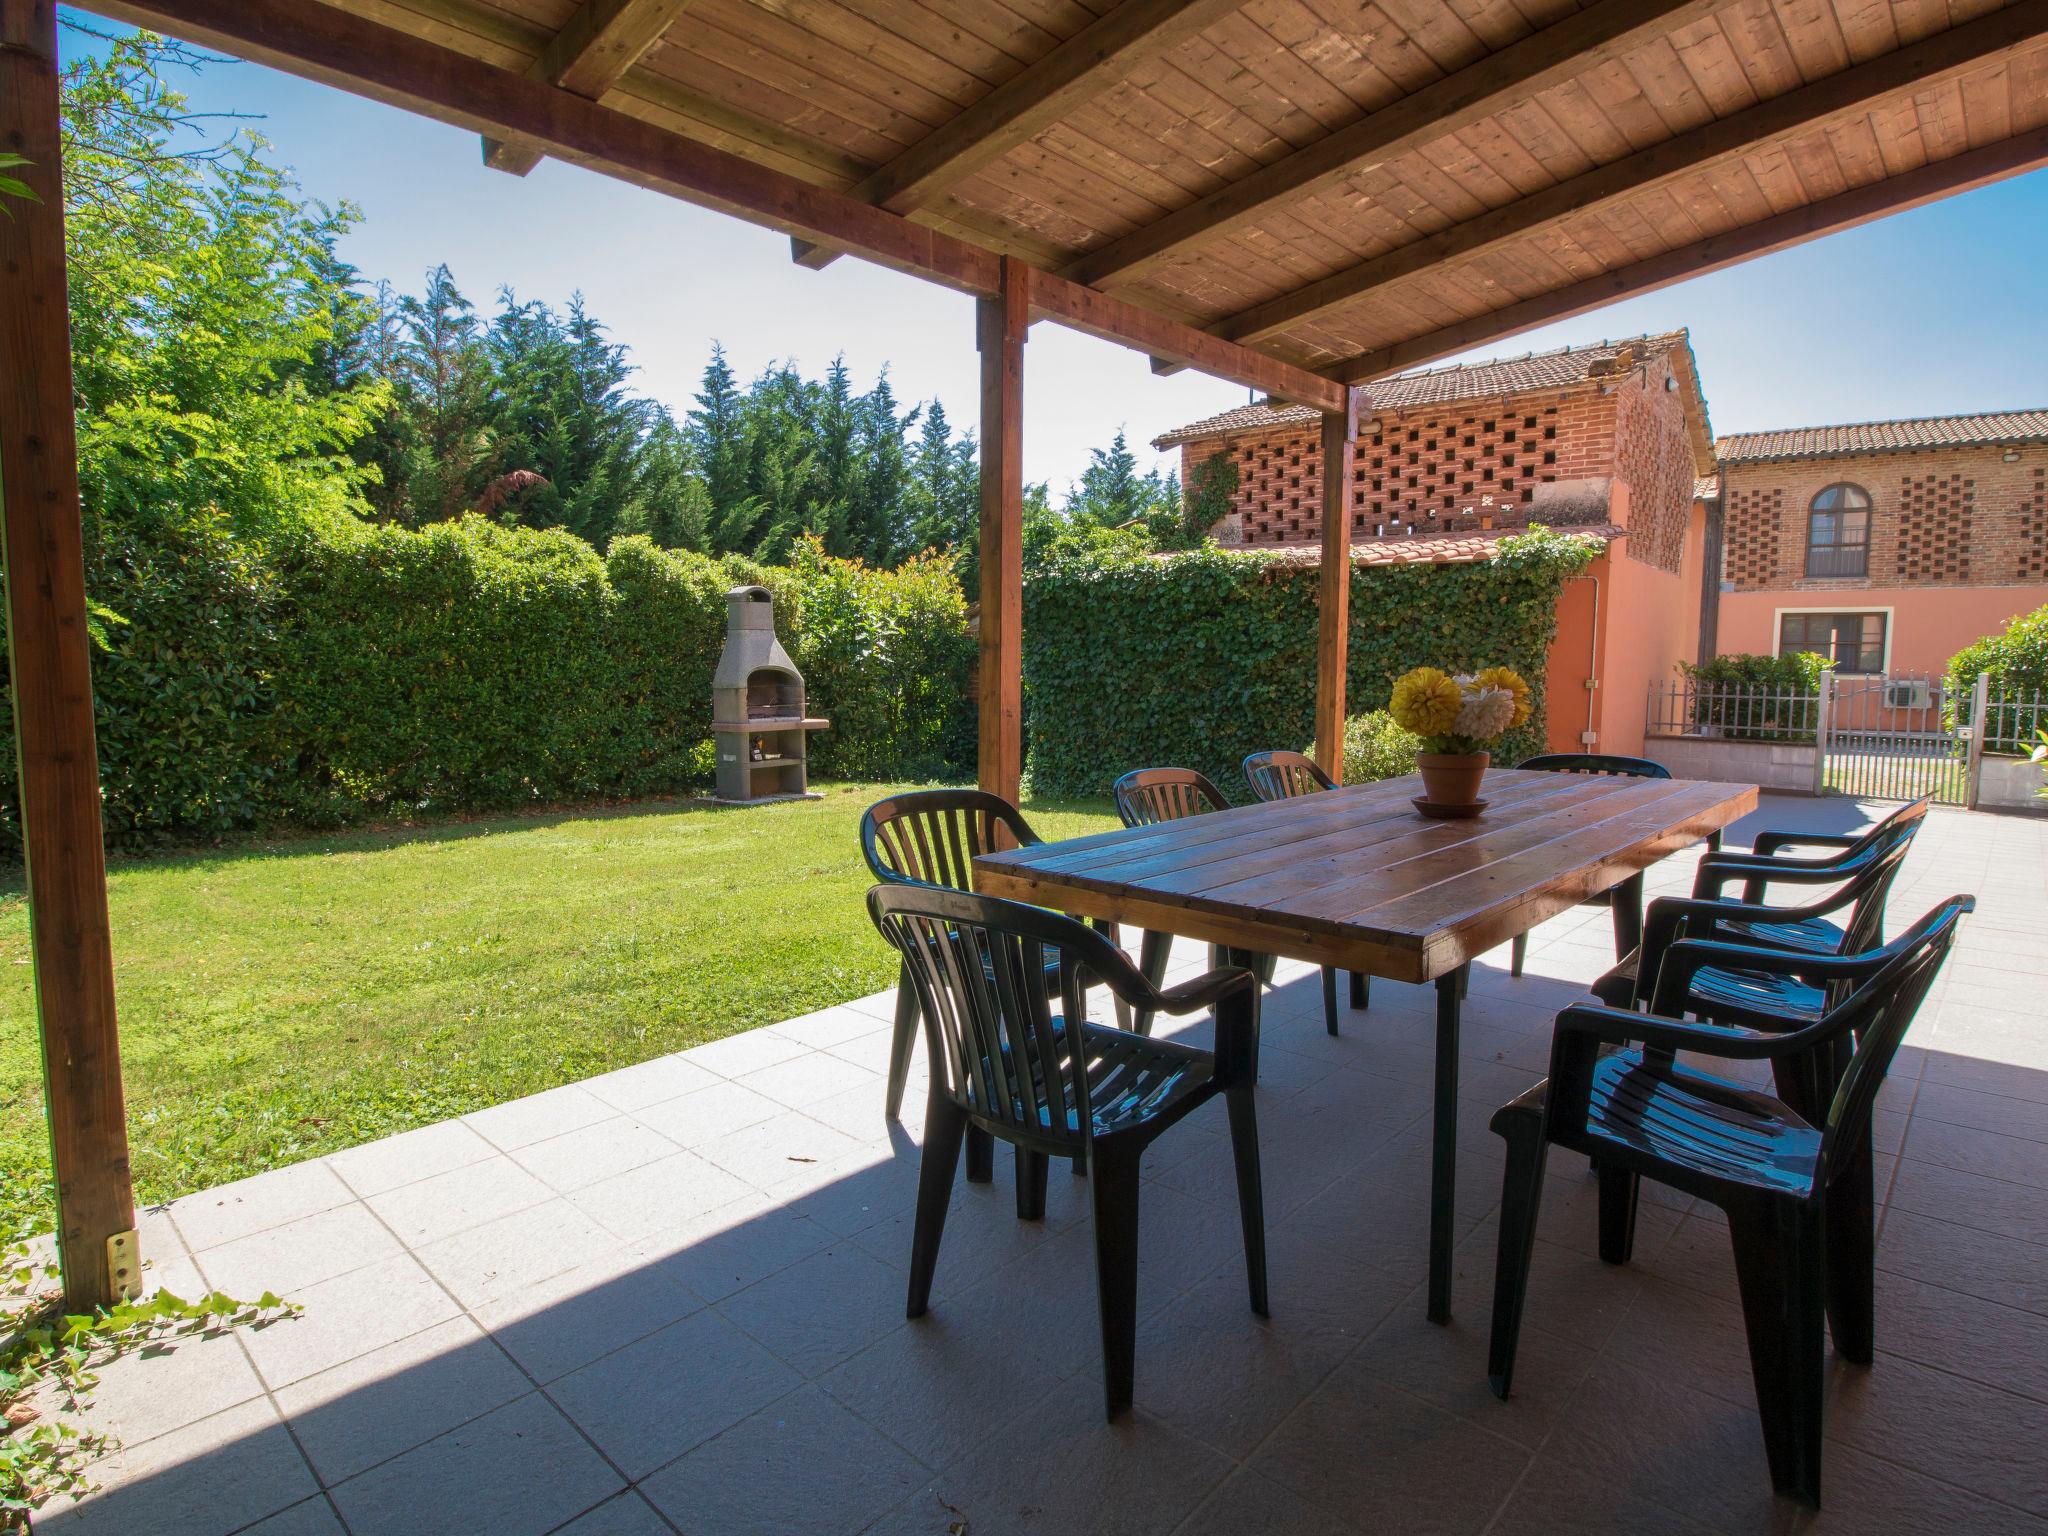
{"x": 1003, "y": 321}
{"x": 52, "y": 673}
{"x": 1333, "y": 590}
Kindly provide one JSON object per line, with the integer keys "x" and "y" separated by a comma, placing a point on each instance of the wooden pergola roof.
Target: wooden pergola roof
{"x": 1300, "y": 195}
{"x": 1345, "y": 186}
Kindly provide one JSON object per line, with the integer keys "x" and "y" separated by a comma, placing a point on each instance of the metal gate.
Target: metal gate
{"x": 1890, "y": 738}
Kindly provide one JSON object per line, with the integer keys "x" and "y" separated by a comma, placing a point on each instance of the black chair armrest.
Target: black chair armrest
{"x": 1671, "y": 917}
{"x": 1619, "y": 1026}
{"x": 1205, "y": 990}
{"x": 1767, "y": 843}
{"x": 1717, "y": 871}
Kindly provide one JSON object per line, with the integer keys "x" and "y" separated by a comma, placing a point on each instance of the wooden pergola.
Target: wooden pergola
{"x": 1298, "y": 195}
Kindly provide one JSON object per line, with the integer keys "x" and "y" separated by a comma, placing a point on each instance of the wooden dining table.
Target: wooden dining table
{"x": 1358, "y": 879}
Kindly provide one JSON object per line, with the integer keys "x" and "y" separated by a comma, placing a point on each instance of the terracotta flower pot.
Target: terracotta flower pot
{"x": 1452, "y": 778}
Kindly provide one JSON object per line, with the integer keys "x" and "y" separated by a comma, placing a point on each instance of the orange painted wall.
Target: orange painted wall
{"x": 1572, "y": 659}
{"x": 1928, "y": 624}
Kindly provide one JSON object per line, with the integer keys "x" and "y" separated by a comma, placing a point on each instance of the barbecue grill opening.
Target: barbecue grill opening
{"x": 758, "y": 722}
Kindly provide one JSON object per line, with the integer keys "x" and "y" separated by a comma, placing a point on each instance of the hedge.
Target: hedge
{"x": 468, "y": 667}
{"x": 1197, "y": 659}
{"x": 2017, "y": 659}
{"x": 1752, "y": 697}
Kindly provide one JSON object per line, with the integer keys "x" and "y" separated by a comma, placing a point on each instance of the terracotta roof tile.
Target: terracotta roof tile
{"x": 1706, "y": 488}
{"x": 1997, "y": 427}
{"x": 1439, "y": 386}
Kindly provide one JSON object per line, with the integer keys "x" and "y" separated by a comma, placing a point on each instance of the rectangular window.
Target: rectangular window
{"x": 1853, "y": 641}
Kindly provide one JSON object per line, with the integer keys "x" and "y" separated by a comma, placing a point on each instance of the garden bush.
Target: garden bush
{"x": 1376, "y": 746}
{"x": 1197, "y": 659}
{"x": 2017, "y": 659}
{"x": 467, "y": 666}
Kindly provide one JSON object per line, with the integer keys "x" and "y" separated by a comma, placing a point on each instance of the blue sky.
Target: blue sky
{"x": 1926, "y": 313}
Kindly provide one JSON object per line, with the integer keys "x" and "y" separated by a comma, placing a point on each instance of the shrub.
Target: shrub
{"x": 1758, "y": 698}
{"x": 2017, "y": 659}
{"x": 1198, "y": 659}
{"x": 1376, "y": 747}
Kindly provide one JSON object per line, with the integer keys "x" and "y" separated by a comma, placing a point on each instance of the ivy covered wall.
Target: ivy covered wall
{"x": 1195, "y": 660}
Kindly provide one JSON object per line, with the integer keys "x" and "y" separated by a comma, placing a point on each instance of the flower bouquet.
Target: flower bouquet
{"x": 1457, "y": 717}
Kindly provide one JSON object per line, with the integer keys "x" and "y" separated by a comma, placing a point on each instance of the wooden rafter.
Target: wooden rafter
{"x": 1568, "y": 48}
{"x": 1857, "y": 89}
{"x": 1020, "y": 108}
{"x": 327, "y": 44}
{"x": 1895, "y": 194}
{"x": 590, "y": 55}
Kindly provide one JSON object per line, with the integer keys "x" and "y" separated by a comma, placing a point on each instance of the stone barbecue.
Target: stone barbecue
{"x": 757, "y": 707}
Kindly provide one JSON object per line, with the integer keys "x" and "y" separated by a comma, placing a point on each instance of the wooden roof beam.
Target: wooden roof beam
{"x": 1023, "y": 106}
{"x": 336, "y": 47}
{"x": 589, "y": 56}
{"x": 1895, "y": 194}
{"x": 1559, "y": 52}
{"x": 1857, "y": 89}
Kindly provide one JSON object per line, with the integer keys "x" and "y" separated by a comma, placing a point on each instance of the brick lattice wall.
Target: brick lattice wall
{"x": 1943, "y": 517}
{"x": 1934, "y": 527}
{"x": 2031, "y": 555}
{"x": 1754, "y": 518}
{"x": 1653, "y": 455}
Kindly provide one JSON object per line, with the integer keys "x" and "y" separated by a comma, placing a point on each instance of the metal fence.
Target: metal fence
{"x": 1733, "y": 711}
{"x": 1877, "y": 738}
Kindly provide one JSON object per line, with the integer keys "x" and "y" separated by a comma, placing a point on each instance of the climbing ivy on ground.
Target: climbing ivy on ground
{"x": 42, "y": 1457}
{"x": 1197, "y": 659}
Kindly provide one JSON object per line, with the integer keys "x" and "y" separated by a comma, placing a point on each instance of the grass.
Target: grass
{"x": 287, "y": 999}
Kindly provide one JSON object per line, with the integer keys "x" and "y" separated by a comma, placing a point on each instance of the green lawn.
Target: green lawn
{"x": 286, "y": 999}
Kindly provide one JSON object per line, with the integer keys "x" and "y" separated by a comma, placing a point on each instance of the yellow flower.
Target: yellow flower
{"x": 1427, "y": 701}
{"x": 1511, "y": 680}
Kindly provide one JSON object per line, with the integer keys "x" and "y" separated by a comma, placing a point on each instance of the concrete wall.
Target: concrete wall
{"x": 1772, "y": 764}
{"x": 2011, "y": 784}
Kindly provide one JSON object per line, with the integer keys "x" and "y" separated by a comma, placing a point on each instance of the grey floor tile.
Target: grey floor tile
{"x": 526, "y": 1248}
{"x": 645, "y": 1201}
{"x": 822, "y": 1309}
{"x": 257, "y": 1204}
{"x": 651, "y": 1082}
{"x": 521, "y": 1122}
{"x": 377, "y": 1405}
{"x": 520, "y": 1471}
{"x": 650, "y": 1402}
{"x": 1559, "y": 1497}
{"x": 1389, "y": 1460}
{"x": 410, "y": 1156}
{"x": 715, "y": 1109}
{"x": 1945, "y": 1427}
{"x": 170, "y": 1384}
{"x": 2000, "y": 1269}
{"x": 1250, "y": 1505}
{"x": 625, "y": 1514}
{"x": 285, "y": 1260}
{"x": 435, "y": 1209}
{"x": 593, "y": 1153}
{"x": 206, "y": 1479}
{"x": 348, "y": 1316}
{"x": 1862, "y": 1494}
{"x": 557, "y": 1325}
{"x": 803, "y": 1464}
{"x": 729, "y": 1248}
{"x": 308, "y": 1517}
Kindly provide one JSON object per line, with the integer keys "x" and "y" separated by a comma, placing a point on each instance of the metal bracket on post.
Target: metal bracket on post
{"x": 124, "y": 1265}
{"x": 1823, "y": 719}
{"x": 1980, "y": 727}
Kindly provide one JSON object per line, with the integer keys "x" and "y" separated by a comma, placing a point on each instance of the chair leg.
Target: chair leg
{"x": 1518, "y": 954}
{"x": 1714, "y": 841}
{"x": 1361, "y": 991}
{"x": 1251, "y": 1199}
{"x": 1619, "y": 1192}
{"x": 1627, "y": 901}
{"x": 1153, "y": 952}
{"x": 944, "y": 1122}
{"x": 1778, "y": 1263}
{"x": 1520, "y": 1125}
{"x": 981, "y": 1155}
{"x": 1330, "y": 998}
{"x": 1113, "y": 1182}
{"x": 1851, "y": 1260}
{"x": 1031, "y": 1168}
{"x": 900, "y": 1043}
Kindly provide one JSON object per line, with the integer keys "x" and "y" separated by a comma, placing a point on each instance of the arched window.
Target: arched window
{"x": 1838, "y": 532}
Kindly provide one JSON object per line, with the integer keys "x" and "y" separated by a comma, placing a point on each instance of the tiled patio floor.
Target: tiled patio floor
{"x": 672, "y": 1299}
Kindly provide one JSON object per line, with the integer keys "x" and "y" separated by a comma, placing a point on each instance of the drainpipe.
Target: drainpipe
{"x": 1590, "y": 736}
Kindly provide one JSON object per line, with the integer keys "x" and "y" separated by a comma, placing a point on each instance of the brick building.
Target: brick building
{"x": 1888, "y": 545}
{"x": 1612, "y": 440}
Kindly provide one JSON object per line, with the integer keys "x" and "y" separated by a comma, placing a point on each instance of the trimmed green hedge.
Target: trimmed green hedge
{"x": 469, "y": 666}
{"x": 2017, "y": 659}
{"x": 1753, "y": 697}
{"x": 1196, "y": 660}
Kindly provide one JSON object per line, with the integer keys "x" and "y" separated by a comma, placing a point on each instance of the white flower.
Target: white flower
{"x": 1486, "y": 713}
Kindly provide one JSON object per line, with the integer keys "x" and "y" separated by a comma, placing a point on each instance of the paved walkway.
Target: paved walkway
{"x": 671, "y": 1299}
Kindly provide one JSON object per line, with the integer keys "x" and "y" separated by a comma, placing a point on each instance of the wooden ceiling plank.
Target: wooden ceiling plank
{"x": 1458, "y": 100}
{"x": 336, "y": 47}
{"x": 1027, "y": 103}
{"x": 1930, "y": 183}
{"x": 603, "y": 40}
{"x": 1858, "y": 89}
